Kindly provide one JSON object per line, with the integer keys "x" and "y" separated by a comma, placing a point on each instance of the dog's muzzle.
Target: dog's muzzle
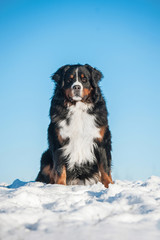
{"x": 77, "y": 92}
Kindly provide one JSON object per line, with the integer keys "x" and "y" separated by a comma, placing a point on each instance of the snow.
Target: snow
{"x": 127, "y": 210}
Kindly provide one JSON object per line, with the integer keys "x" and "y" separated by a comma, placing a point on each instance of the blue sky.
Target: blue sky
{"x": 121, "y": 38}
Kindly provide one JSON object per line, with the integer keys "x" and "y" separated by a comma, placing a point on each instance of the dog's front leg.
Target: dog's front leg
{"x": 104, "y": 169}
{"x": 105, "y": 177}
{"x": 60, "y": 176}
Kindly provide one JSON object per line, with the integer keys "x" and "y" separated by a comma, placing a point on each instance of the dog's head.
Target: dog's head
{"x": 78, "y": 82}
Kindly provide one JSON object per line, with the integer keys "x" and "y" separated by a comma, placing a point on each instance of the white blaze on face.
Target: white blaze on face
{"x": 77, "y": 83}
{"x": 77, "y": 75}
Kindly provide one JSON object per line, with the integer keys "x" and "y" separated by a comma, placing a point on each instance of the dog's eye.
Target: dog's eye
{"x": 70, "y": 78}
{"x": 84, "y": 80}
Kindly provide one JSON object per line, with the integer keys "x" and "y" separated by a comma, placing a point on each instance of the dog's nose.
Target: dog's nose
{"x": 76, "y": 87}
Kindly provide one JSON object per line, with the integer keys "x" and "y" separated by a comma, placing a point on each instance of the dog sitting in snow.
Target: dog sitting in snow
{"x": 78, "y": 135}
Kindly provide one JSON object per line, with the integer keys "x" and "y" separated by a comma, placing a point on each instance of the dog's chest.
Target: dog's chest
{"x": 81, "y": 132}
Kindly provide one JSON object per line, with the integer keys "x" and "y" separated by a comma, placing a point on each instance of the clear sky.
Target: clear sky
{"x": 120, "y": 38}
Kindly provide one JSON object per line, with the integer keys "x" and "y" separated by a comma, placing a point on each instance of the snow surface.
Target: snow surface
{"x": 127, "y": 210}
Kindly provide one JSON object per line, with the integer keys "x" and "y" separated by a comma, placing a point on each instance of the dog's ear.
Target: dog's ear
{"x": 58, "y": 76}
{"x": 95, "y": 74}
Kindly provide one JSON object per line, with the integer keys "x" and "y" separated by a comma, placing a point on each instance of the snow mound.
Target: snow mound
{"x": 127, "y": 210}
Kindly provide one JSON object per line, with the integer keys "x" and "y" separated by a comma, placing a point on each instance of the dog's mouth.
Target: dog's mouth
{"x": 73, "y": 95}
{"x": 77, "y": 89}
{"x": 76, "y": 95}
{"x": 77, "y": 98}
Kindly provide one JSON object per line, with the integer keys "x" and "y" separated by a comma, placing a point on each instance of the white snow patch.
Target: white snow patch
{"x": 127, "y": 210}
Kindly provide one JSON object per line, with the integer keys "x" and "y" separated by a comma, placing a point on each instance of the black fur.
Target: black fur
{"x": 53, "y": 157}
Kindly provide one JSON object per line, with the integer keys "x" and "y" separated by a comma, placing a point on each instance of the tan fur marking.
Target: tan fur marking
{"x": 86, "y": 92}
{"x": 68, "y": 93}
{"x": 49, "y": 172}
{"x": 102, "y": 132}
{"x": 46, "y": 170}
{"x": 105, "y": 179}
{"x": 61, "y": 179}
{"x": 82, "y": 75}
{"x": 60, "y": 139}
{"x": 71, "y": 76}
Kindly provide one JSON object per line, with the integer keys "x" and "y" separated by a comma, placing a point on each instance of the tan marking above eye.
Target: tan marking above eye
{"x": 71, "y": 76}
{"x": 82, "y": 75}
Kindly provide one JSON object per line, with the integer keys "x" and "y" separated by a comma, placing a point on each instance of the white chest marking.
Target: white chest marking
{"x": 81, "y": 131}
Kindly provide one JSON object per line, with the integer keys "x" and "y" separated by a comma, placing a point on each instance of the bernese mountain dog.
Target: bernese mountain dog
{"x": 79, "y": 138}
